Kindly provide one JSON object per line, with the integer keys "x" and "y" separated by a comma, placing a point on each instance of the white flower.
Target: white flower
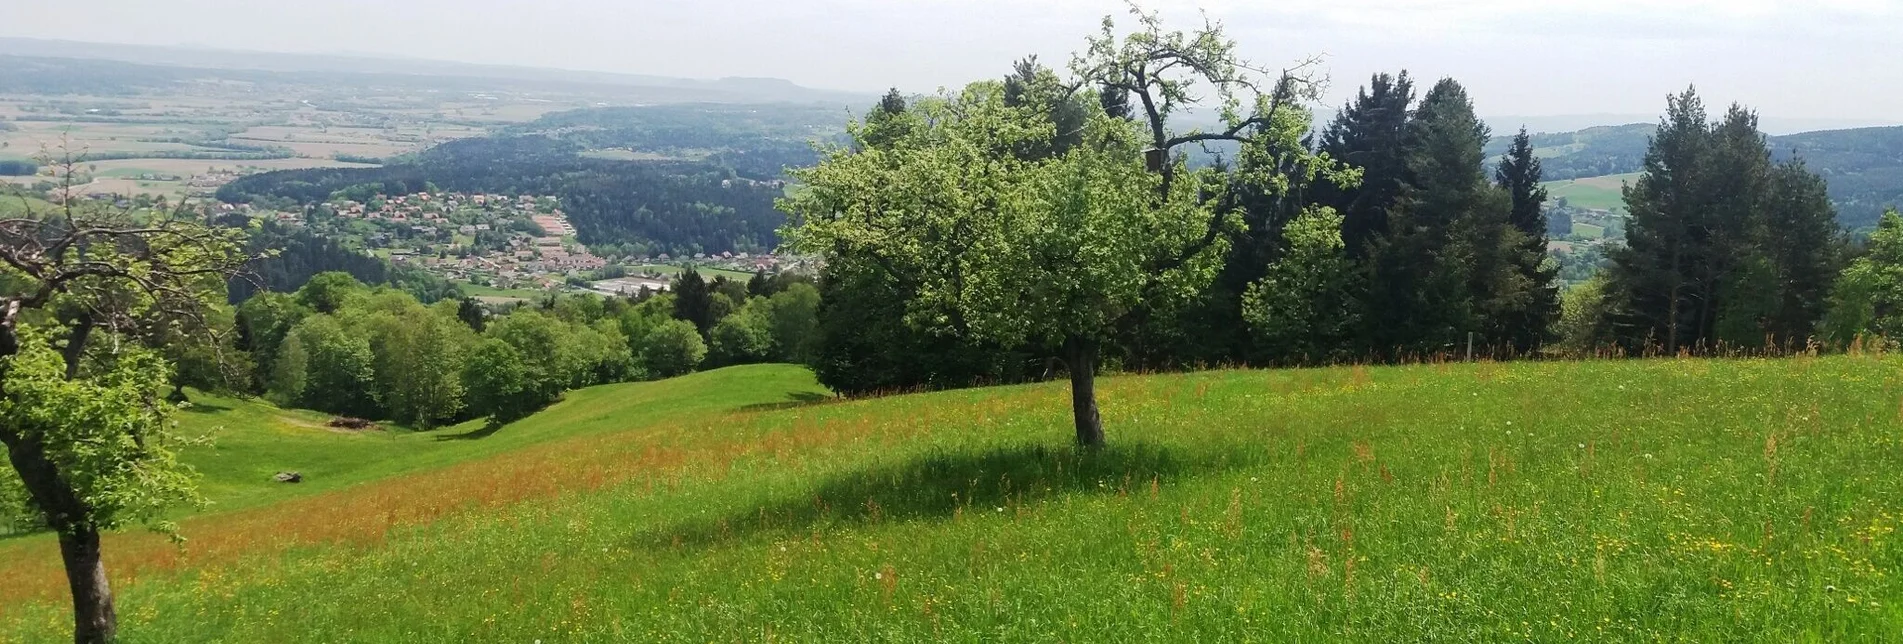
{"x": 1582, "y": 446}
{"x": 1000, "y": 509}
{"x": 878, "y": 575}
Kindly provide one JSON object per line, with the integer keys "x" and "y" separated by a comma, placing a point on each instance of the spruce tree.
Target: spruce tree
{"x": 1528, "y": 326}
{"x": 694, "y": 300}
{"x": 1652, "y": 278}
{"x": 1439, "y": 266}
{"x": 1369, "y": 134}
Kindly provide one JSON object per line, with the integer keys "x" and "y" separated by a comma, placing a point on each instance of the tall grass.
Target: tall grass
{"x": 1642, "y": 500}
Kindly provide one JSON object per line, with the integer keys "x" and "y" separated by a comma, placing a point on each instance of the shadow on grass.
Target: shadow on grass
{"x": 795, "y": 399}
{"x": 197, "y": 407}
{"x": 939, "y": 486}
{"x": 486, "y": 430}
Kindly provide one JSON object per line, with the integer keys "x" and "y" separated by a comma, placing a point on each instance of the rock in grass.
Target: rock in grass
{"x": 288, "y": 477}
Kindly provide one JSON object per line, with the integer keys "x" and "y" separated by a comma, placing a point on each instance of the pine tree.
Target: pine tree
{"x": 1652, "y": 277}
{"x": 694, "y": 300}
{"x": 1722, "y": 247}
{"x": 1439, "y": 265}
{"x": 1802, "y": 239}
{"x": 1525, "y": 328}
{"x": 1369, "y": 134}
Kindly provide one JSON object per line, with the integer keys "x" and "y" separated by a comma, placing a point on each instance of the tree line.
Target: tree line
{"x": 1046, "y": 223}
{"x": 340, "y": 346}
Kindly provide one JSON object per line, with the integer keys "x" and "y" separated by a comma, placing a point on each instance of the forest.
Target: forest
{"x": 676, "y": 207}
{"x": 340, "y": 346}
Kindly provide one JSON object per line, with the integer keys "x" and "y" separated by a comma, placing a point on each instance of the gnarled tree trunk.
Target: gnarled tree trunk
{"x": 1081, "y": 356}
{"x": 94, "y": 619}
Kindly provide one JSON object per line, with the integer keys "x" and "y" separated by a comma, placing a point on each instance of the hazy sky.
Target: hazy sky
{"x": 1814, "y": 59}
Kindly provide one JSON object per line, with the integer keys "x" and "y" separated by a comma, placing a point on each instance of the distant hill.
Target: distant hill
{"x": 1864, "y": 166}
{"x": 345, "y": 69}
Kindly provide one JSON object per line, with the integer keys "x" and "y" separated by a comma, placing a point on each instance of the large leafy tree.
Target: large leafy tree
{"x": 1001, "y": 232}
{"x": 81, "y": 417}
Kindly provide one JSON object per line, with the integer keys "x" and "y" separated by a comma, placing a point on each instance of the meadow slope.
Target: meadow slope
{"x": 1700, "y": 500}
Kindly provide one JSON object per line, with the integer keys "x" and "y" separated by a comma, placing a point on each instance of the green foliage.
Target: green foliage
{"x": 793, "y": 319}
{"x": 693, "y": 300}
{"x": 495, "y": 379}
{"x": 744, "y": 337}
{"x": 1867, "y": 300}
{"x": 1721, "y": 236}
{"x": 1584, "y": 316}
{"x": 329, "y": 292}
{"x": 339, "y": 368}
{"x": 672, "y": 348}
{"x": 109, "y": 434}
{"x": 1305, "y": 308}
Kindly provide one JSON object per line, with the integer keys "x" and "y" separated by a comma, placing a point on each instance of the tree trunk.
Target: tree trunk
{"x": 1082, "y": 358}
{"x": 94, "y": 619}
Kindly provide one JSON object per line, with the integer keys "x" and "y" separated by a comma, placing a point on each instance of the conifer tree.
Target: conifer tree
{"x": 1526, "y": 327}
{"x": 1369, "y": 134}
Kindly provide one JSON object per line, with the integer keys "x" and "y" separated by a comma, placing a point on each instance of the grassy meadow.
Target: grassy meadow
{"x": 1654, "y": 500}
{"x": 1597, "y": 193}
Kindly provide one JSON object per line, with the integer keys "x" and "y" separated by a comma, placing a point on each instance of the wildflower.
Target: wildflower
{"x": 878, "y": 575}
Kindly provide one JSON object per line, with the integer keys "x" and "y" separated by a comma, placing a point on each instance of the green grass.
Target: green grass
{"x": 1588, "y": 231}
{"x": 251, "y": 440}
{"x": 705, "y": 271}
{"x": 477, "y": 290}
{"x": 1597, "y": 193}
{"x": 1658, "y": 500}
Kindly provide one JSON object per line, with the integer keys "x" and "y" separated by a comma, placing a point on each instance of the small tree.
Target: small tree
{"x": 493, "y": 378}
{"x": 85, "y": 430}
{"x": 673, "y": 348}
{"x": 1304, "y": 309}
{"x": 743, "y": 337}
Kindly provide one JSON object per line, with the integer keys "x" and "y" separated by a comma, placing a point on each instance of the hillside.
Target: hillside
{"x": 1700, "y": 500}
{"x": 1863, "y": 166}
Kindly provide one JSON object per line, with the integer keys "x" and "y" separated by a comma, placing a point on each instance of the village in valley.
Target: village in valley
{"x": 501, "y": 243}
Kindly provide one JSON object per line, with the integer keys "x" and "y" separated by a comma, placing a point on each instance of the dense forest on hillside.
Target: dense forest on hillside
{"x": 1592, "y": 152}
{"x": 674, "y": 206}
{"x": 299, "y": 255}
{"x": 757, "y": 141}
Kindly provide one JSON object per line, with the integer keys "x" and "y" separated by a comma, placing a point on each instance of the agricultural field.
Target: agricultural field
{"x": 1642, "y": 500}
{"x": 212, "y": 133}
{"x": 1595, "y": 193}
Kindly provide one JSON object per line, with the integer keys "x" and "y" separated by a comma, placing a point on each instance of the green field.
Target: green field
{"x": 1654, "y": 500}
{"x": 477, "y": 290}
{"x": 1588, "y": 231}
{"x": 1595, "y": 193}
{"x": 705, "y": 271}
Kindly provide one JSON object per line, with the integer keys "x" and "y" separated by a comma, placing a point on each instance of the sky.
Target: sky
{"x": 1838, "y": 60}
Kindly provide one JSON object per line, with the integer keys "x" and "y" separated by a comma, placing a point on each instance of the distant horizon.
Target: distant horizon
{"x": 1503, "y": 124}
{"x": 1824, "y": 60}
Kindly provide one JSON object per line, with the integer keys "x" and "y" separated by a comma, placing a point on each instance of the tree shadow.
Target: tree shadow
{"x": 205, "y": 408}
{"x": 486, "y": 430}
{"x": 939, "y": 486}
{"x": 795, "y": 400}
